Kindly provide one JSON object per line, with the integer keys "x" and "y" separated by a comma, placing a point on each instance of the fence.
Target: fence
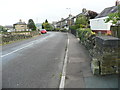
{"x": 8, "y": 37}
{"x": 73, "y": 32}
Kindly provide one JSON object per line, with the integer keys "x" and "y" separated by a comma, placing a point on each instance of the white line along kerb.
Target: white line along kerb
{"x": 62, "y": 82}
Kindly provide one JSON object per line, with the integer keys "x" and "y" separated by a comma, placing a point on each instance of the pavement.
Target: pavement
{"x": 78, "y": 70}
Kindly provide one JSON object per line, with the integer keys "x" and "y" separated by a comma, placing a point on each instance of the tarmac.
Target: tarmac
{"x": 78, "y": 69}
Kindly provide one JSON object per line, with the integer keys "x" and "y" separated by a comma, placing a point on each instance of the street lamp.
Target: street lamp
{"x": 69, "y": 18}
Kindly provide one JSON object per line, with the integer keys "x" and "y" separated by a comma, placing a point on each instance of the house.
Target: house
{"x": 98, "y": 23}
{"x": 9, "y": 28}
{"x": 39, "y": 26}
{"x": 65, "y": 23}
{"x": 20, "y": 26}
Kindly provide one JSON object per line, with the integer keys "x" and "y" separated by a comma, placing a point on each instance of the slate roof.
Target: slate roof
{"x": 20, "y": 23}
{"x": 107, "y": 11}
{"x": 8, "y": 26}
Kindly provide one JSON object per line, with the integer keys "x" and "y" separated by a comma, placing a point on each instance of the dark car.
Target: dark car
{"x": 43, "y": 31}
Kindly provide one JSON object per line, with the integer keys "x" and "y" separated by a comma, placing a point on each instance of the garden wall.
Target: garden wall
{"x": 104, "y": 50}
{"x": 115, "y": 31}
{"x": 107, "y": 54}
{"x": 9, "y": 37}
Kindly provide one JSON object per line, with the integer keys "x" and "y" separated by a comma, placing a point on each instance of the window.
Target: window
{"x": 22, "y": 26}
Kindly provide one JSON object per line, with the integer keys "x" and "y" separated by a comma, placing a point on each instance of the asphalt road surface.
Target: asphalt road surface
{"x": 35, "y": 62}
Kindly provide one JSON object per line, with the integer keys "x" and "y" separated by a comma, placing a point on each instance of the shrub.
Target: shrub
{"x": 63, "y": 30}
{"x": 87, "y": 37}
{"x": 57, "y": 29}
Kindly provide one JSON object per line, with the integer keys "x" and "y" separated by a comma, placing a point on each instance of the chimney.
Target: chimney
{"x": 20, "y": 20}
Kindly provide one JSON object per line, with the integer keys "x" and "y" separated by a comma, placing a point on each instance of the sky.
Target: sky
{"x": 11, "y": 11}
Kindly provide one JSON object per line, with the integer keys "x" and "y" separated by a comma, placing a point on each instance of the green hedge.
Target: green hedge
{"x": 60, "y": 29}
{"x": 87, "y": 37}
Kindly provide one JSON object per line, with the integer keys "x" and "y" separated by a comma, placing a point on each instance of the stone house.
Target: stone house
{"x": 9, "y": 28}
{"x": 65, "y": 23}
{"x": 20, "y": 26}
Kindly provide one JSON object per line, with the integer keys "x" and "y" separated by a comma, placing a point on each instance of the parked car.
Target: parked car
{"x": 43, "y": 31}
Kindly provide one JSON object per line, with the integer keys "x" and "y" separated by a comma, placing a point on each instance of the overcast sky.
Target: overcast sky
{"x": 53, "y": 10}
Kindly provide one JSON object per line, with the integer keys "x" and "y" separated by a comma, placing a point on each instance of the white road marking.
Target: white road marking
{"x": 27, "y": 45}
{"x": 68, "y": 41}
{"x": 62, "y": 82}
{"x": 17, "y": 50}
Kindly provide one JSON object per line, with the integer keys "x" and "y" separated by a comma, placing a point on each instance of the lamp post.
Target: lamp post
{"x": 69, "y": 19}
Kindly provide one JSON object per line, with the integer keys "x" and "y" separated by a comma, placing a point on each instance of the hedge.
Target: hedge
{"x": 87, "y": 37}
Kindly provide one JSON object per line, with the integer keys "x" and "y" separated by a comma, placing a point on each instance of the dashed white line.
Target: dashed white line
{"x": 68, "y": 41}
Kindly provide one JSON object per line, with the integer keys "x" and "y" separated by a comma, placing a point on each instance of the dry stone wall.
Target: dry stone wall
{"x": 106, "y": 54}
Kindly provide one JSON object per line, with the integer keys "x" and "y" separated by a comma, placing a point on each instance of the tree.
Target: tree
{"x": 31, "y": 25}
{"x": 2, "y": 29}
{"x": 89, "y": 14}
{"x": 47, "y": 26}
{"x": 46, "y": 21}
{"x": 92, "y": 14}
{"x": 114, "y": 17}
{"x": 43, "y": 26}
{"x": 81, "y": 21}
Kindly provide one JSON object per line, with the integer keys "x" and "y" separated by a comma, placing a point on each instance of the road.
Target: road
{"x": 35, "y": 62}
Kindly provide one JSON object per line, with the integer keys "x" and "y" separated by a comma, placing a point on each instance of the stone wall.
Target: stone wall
{"x": 10, "y": 37}
{"x": 106, "y": 55}
{"x": 115, "y": 31}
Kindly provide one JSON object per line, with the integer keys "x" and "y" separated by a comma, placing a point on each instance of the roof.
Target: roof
{"x": 20, "y": 23}
{"x": 107, "y": 11}
{"x": 8, "y": 26}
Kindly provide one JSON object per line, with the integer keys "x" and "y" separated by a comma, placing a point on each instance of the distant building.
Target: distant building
{"x": 9, "y": 28}
{"x": 39, "y": 26}
{"x": 54, "y": 23}
{"x": 98, "y": 24}
{"x": 70, "y": 20}
{"x": 20, "y": 26}
{"x": 117, "y": 3}
{"x": 65, "y": 23}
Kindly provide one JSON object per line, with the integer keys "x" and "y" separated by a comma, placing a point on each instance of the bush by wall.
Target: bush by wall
{"x": 87, "y": 37}
{"x": 104, "y": 51}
